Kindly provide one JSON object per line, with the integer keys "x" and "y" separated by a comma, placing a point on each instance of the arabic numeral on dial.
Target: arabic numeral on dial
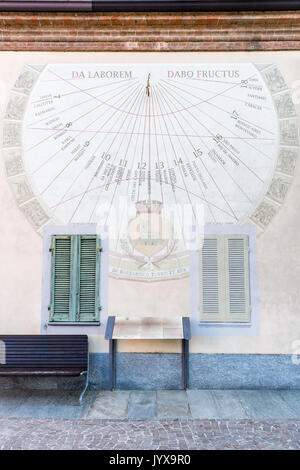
{"x": 123, "y": 162}
{"x": 69, "y": 124}
{"x": 159, "y": 166}
{"x": 244, "y": 83}
{"x": 218, "y": 138}
{"x": 234, "y": 114}
{"x": 105, "y": 156}
{"x": 178, "y": 162}
{"x": 142, "y": 166}
{"x": 198, "y": 153}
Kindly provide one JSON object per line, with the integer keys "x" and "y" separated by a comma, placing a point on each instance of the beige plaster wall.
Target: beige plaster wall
{"x": 278, "y": 247}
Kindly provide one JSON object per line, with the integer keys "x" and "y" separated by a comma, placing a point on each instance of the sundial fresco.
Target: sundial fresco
{"x": 80, "y": 138}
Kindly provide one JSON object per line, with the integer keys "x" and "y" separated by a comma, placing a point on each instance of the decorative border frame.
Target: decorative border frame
{"x": 174, "y": 31}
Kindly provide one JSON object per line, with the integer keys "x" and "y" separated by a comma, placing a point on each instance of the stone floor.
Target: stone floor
{"x": 163, "y": 419}
{"x": 160, "y": 404}
{"x": 197, "y": 404}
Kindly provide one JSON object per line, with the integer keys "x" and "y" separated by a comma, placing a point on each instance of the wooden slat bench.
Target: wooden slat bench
{"x": 45, "y": 355}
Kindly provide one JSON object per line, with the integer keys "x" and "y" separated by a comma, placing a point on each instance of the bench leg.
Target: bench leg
{"x": 85, "y": 387}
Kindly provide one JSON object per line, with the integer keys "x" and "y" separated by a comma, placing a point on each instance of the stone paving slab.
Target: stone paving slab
{"x": 228, "y": 405}
{"x": 265, "y": 404}
{"x": 172, "y": 404}
{"x": 44, "y": 404}
{"x": 176, "y": 434}
{"x": 292, "y": 399}
{"x": 202, "y": 404}
{"x": 108, "y": 405}
{"x": 10, "y": 402}
{"x": 142, "y": 405}
{"x": 216, "y": 404}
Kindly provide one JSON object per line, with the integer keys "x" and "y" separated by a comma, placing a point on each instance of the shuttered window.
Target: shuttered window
{"x": 224, "y": 279}
{"x": 75, "y": 278}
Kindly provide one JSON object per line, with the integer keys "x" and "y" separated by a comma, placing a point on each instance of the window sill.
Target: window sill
{"x": 78, "y": 323}
{"x": 220, "y": 324}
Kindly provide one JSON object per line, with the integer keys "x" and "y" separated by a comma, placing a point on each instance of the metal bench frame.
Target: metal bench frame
{"x": 86, "y": 373}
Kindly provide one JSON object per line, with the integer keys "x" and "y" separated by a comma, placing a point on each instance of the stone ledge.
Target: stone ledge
{"x": 150, "y": 31}
{"x": 83, "y": 20}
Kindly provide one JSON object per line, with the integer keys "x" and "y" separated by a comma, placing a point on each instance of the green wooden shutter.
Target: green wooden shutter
{"x": 89, "y": 277}
{"x": 237, "y": 285}
{"x": 60, "y": 278}
{"x": 75, "y": 278}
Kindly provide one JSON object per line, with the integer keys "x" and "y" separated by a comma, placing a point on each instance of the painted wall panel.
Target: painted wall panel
{"x": 278, "y": 246}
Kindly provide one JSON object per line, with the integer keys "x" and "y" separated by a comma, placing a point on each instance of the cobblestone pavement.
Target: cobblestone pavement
{"x": 181, "y": 434}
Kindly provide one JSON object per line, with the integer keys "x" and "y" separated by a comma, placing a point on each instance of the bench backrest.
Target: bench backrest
{"x": 44, "y": 351}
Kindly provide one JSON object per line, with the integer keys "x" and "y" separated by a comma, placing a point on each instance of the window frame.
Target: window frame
{"x": 75, "y": 279}
{"x": 67, "y": 327}
{"x": 200, "y": 328}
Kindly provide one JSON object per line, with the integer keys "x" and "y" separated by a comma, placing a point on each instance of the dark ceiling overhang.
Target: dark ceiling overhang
{"x": 148, "y": 5}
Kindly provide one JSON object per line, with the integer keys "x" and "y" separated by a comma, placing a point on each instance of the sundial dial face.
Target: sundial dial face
{"x": 84, "y": 141}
